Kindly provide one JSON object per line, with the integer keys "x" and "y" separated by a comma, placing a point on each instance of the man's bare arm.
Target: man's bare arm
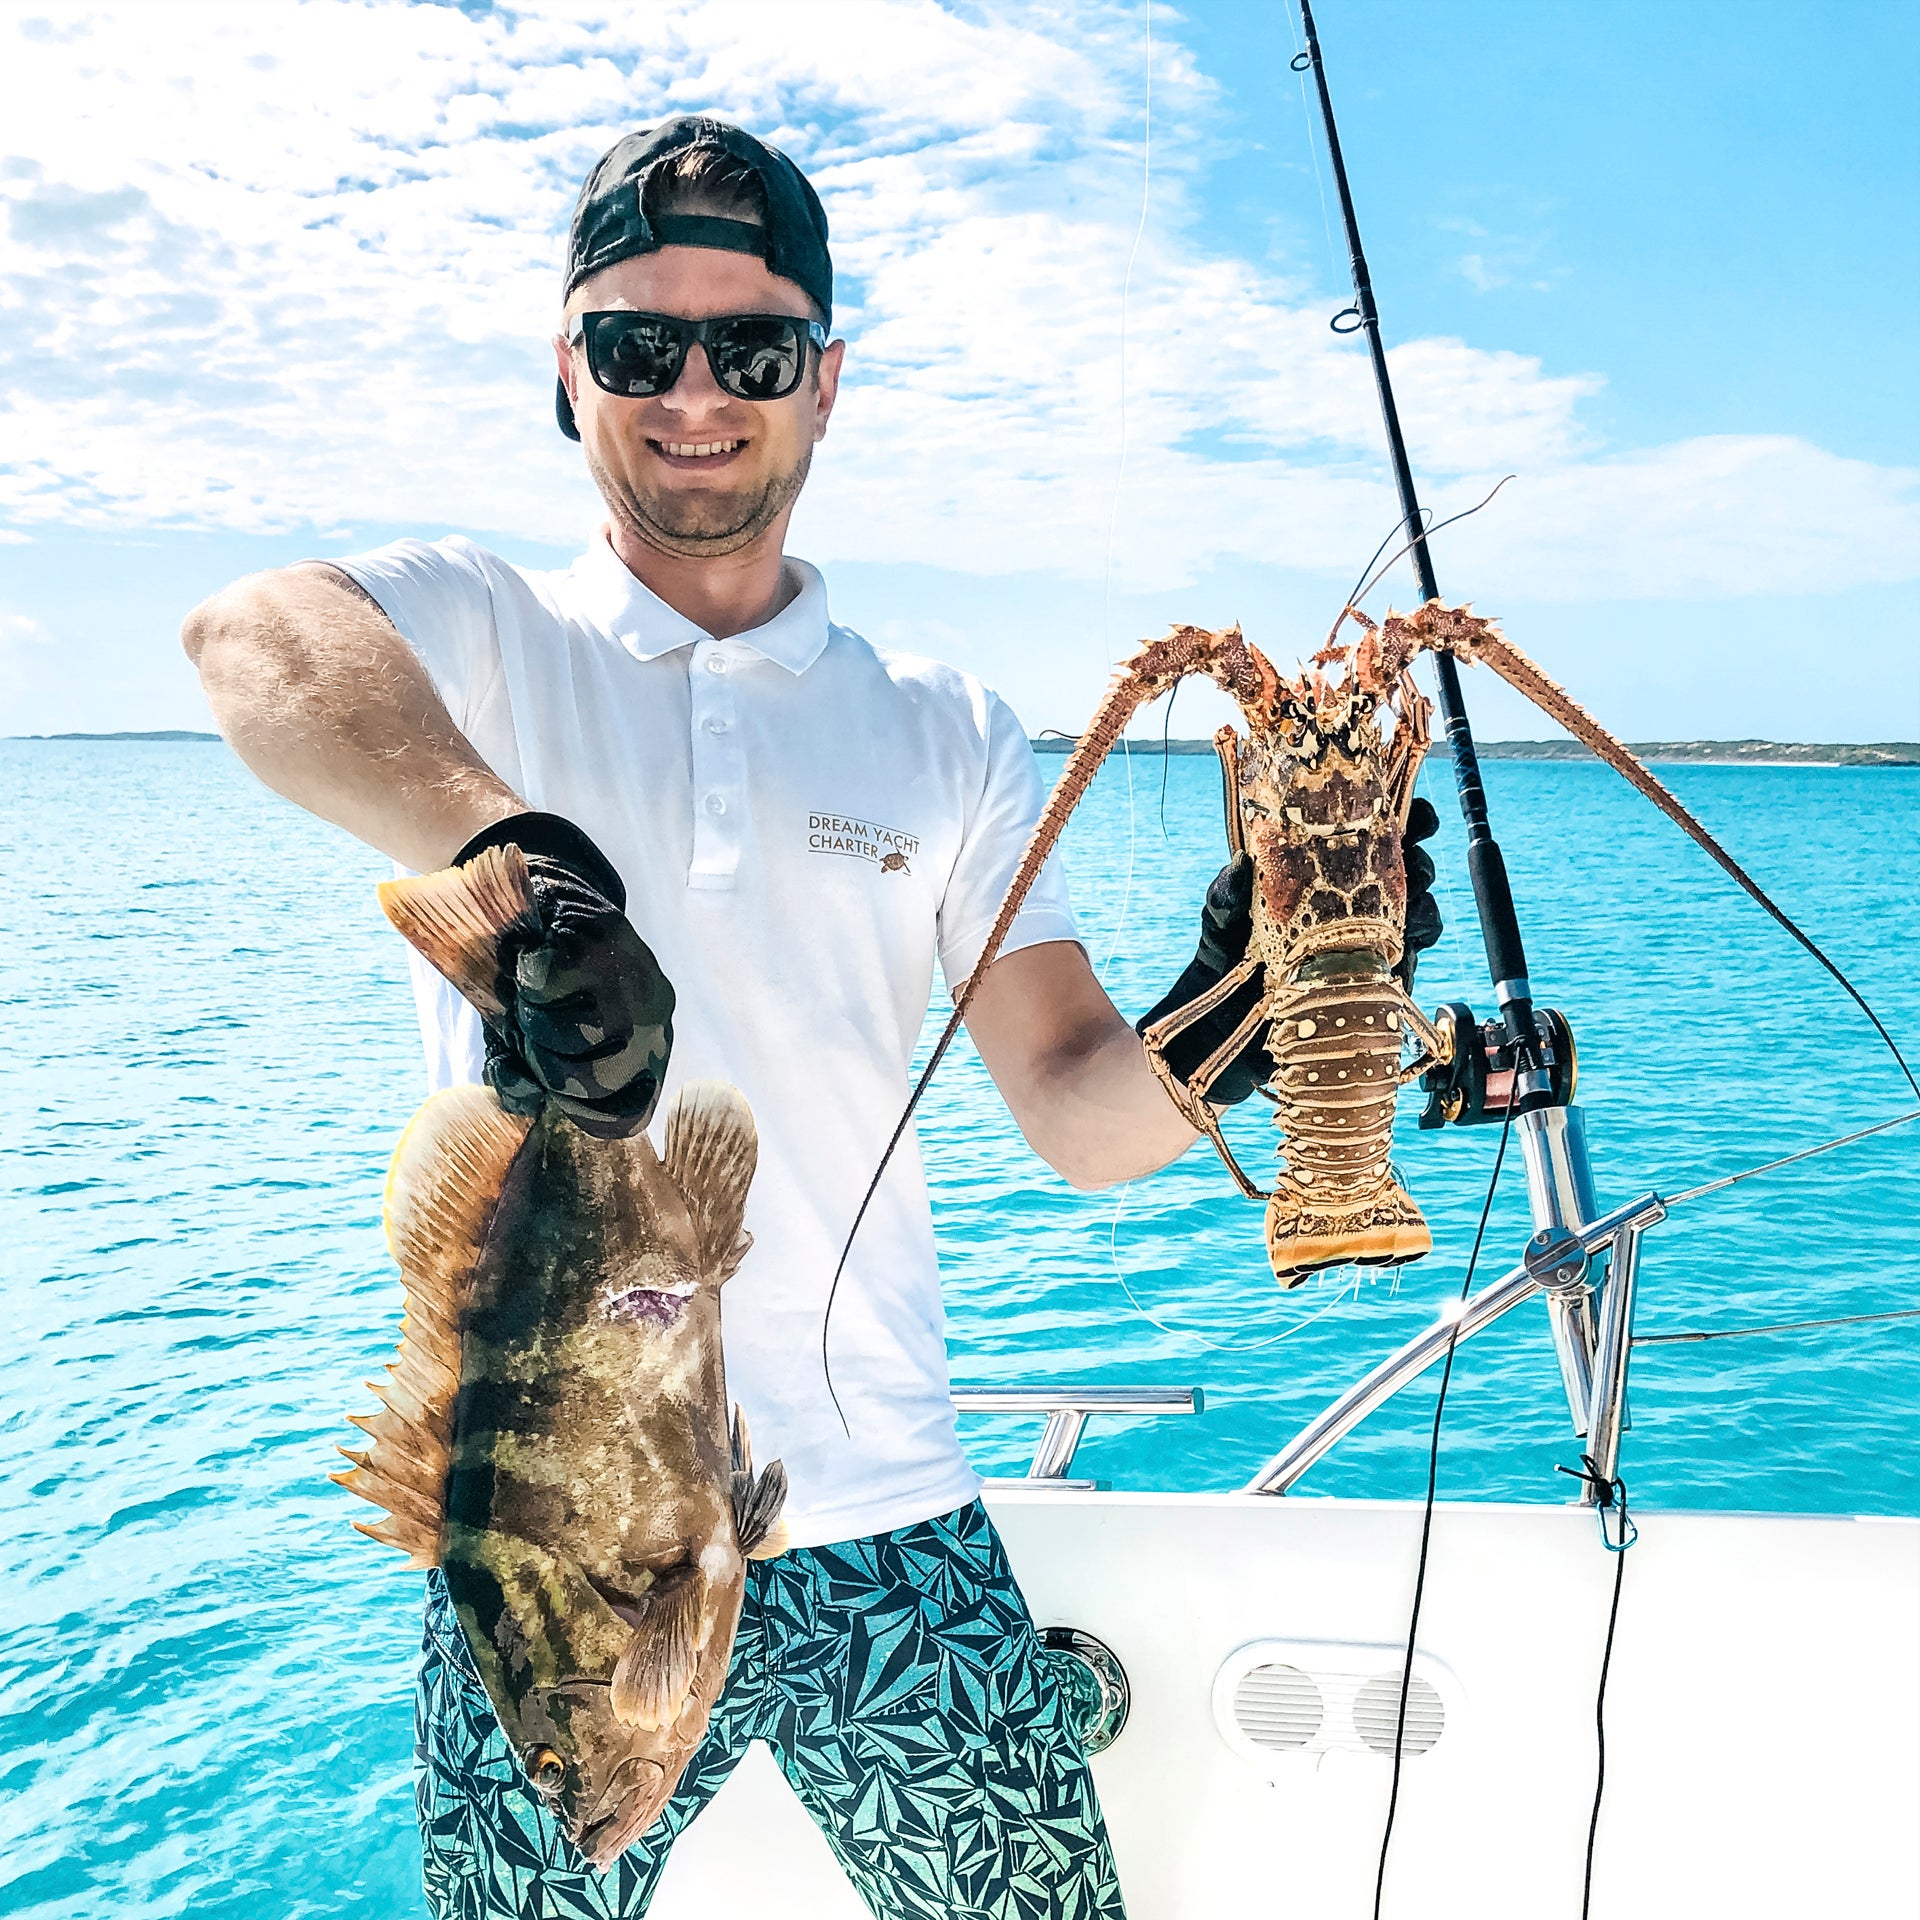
{"x": 1073, "y": 1073}
{"x": 320, "y": 696}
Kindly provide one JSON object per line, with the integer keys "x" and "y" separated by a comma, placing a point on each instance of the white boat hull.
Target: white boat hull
{"x": 1763, "y": 1715}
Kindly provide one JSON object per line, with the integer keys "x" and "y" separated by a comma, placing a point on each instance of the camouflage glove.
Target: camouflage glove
{"x": 1423, "y": 912}
{"x": 589, "y": 1015}
{"x": 1226, "y": 925}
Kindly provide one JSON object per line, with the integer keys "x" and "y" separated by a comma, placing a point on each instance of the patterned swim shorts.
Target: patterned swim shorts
{"x": 903, "y": 1690}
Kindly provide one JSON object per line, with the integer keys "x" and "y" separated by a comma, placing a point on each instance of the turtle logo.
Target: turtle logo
{"x": 895, "y": 862}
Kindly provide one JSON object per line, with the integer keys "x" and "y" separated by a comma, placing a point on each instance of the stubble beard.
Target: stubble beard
{"x": 700, "y": 526}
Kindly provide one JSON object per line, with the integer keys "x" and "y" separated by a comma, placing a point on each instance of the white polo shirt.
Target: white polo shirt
{"x": 802, "y": 820}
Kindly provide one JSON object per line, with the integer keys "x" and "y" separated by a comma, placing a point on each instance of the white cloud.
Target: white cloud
{"x": 293, "y": 264}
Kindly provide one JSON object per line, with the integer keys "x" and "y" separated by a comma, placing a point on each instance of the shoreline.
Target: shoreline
{"x": 1699, "y": 753}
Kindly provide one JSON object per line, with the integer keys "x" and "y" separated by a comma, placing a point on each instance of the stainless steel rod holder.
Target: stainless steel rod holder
{"x": 1610, "y": 1360}
{"x": 1399, "y": 1369}
{"x": 1560, "y": 1196}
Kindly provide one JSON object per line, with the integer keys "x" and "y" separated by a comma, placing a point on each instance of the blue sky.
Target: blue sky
{"x": 275, "y": 280}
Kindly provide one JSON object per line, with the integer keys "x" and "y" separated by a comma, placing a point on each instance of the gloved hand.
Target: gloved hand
{"x": 589, "y": 1015}
{"x": 1423, "y": 911}
{"x": 1226, "y": 925}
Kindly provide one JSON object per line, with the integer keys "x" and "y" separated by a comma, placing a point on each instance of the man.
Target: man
{"x": 795, "y": 823}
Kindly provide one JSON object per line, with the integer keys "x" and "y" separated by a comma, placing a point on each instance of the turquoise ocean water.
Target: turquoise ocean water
{"x": 205, "y": 1676}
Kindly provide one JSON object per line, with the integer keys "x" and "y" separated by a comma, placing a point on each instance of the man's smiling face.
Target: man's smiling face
{"x": 695, "y": 472}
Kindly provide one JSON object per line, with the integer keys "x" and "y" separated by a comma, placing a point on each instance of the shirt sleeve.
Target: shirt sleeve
{"x": 997, "y": 832}
{"x": 438, "y": 597}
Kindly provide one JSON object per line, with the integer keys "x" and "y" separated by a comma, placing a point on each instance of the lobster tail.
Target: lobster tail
{"x": 1302, "y": 1240}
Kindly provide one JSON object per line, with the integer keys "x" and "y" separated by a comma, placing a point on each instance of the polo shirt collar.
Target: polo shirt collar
{"x": 648, "y": 628}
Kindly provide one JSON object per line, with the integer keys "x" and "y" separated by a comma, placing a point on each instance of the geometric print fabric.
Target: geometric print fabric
{"x": 901, "y": 1687}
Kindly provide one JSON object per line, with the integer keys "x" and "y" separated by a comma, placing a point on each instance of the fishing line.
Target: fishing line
{"x": 1313, "y": 152}
{"x": 1426, "y": 1517}
{"x": 1610, "y": 1496}
{"x": 965, "y": 992}
{"x": 1350, "y": 1285}
{"x": 1120, "y": 474}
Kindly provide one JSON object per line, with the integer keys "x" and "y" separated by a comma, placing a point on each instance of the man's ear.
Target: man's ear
{"x": 827, "y": 385}
{"x": 563, "y": 362}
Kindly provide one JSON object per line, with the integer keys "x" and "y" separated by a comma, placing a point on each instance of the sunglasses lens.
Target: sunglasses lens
{"x": 758, "y": 356}
{"x": 635, "y": 355}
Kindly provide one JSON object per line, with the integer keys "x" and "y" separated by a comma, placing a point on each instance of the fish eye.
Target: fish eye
{"x": 546, "y": 1769}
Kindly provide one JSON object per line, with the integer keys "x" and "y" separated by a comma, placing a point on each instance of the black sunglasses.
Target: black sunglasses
{"x": 754, "y": 356}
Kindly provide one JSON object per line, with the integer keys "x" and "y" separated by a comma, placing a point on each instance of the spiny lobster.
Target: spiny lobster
{"x": 1318, "y": 795}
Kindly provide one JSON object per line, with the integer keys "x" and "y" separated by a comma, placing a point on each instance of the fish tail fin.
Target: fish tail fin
{"x": 758, "y": 1523}
{"x": 712, "y": 1149}
{"x": 656, "y": 1671}
{"x": 458, "y": 917}
{"x": 446, "y": 1176}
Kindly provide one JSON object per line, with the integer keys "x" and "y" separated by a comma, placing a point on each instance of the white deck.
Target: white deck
{"x": 1763, "y": 1716}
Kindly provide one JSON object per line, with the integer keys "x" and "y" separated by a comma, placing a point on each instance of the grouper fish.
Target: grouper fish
{"x": 553, "y": 1434}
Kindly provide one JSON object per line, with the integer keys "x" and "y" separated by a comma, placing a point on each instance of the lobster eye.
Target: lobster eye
{"x": 546, "y": 1769}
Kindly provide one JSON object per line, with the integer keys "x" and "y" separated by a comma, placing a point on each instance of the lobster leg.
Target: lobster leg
{"x": 1433, "y": 1043}
{"x": 1190, "y": 1096}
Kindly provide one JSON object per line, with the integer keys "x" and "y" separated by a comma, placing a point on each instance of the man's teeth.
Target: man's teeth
{"x": 690, "y": 450}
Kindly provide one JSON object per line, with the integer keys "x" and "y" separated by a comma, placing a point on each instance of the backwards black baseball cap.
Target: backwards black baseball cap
{"x": 610, "y": 220}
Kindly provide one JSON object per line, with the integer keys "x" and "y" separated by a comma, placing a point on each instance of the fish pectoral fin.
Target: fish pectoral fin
{"x": 712, "y": 1150}
{"x": 757, "y": 1499}
{"x": 457, "y": 919}
{"x": 655, "y": 1673}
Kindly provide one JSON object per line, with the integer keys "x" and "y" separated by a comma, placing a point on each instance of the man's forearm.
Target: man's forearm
{"x": 1071, "y": 1070}
{"x": 324, "y": 701}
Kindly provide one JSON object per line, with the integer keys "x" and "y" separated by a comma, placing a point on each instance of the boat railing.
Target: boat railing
{"x": 1066, "y": 1410}
{"x": 1557, "y": 1263}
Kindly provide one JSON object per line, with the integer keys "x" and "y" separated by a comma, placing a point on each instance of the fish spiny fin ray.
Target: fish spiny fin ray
{"x": 758, "y": 1524}
{"x": 712, "y": 1149}
{"x": 459, "y": 917}
{"x": 446, "y": 1177}
{"x": 656, "y": 1672}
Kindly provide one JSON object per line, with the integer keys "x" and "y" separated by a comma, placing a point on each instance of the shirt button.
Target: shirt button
{"x": 715, "y": 663}
{"x": 715, "y": 804}
{"x": 716, "y": 726}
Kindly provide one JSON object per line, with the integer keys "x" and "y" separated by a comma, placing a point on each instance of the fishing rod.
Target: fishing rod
{"x": 1519, "y": 1068}
{"x": 1534, "y": 1082}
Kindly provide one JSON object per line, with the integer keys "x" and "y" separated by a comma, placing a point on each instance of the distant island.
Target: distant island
{"x": 163, "y": 733}
{"x": 1722, "y": 753}
{"x": 1725, "y": 753}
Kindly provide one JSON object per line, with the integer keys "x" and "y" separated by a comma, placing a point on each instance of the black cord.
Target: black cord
{"x": 1600, "y": 1720}
{"x": 1426, "y": 1520}
{"x": 1611, "y": 1498}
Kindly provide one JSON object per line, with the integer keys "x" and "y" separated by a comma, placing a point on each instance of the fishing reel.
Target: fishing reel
{"x": 1472, "y": 1084}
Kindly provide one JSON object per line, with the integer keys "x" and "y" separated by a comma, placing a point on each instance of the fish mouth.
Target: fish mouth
{"x": 637, "y": 1792}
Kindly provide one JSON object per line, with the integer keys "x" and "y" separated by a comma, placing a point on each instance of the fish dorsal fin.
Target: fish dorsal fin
{"x": 712, "y": 1150}
{"x": 446, "y": 1176}
{"x": 758, "y": 1524}
{"x": 459, "y": 916}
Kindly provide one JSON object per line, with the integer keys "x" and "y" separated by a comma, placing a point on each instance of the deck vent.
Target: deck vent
{"x": 1282, "y": 1704}
{"x": 1278, "y": 1707}
{"x": 1376, "y": 1713}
